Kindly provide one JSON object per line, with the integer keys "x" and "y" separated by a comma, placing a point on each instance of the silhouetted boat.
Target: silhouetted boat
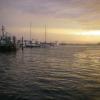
{"x": 7, "y": 43}
{"x": 30, "y": 43}
{"x": 46, "y": 44}
{"x": 36, "y": 44}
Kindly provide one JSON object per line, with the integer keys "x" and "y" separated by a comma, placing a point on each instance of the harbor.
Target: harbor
{"x": 10, "y": 43}
{"x": 35, "y": 70}
{"x": 49, "y": 49}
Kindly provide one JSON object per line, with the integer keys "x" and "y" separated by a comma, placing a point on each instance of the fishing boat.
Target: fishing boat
{"x": 7, "y": 43}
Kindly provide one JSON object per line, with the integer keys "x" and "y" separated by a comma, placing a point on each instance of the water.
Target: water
{"x": 62, "y": 73}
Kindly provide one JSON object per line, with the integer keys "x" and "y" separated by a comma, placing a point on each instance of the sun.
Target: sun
{"x": 91, "y": 33}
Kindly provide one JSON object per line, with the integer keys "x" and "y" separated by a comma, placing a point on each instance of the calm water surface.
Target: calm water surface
{"x": 62, "y": 73}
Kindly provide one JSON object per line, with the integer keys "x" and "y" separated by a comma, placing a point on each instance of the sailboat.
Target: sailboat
{"x": 7, "y": 43}
{"x": 30, "y": 43}
{"x": 46, "y": 44}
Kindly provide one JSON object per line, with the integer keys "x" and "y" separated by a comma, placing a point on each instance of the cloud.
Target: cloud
{"x": 64, "y": 8}
{"x": 82, "y": 11}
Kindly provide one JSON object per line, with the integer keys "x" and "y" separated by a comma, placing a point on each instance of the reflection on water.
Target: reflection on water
{"x": 62, "y": 73}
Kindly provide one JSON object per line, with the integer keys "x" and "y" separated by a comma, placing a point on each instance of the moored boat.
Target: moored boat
{"x": 7, "y": 43}
{"x": 31, "y": 44}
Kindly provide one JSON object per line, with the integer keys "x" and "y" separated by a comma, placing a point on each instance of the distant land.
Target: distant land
{"x": 91, "y": 44}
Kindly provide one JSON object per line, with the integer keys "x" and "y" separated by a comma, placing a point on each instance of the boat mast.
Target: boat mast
{"x": 45, "y": 34}
{"x": 30, "y": 31}
{"x": 22, "y": 44}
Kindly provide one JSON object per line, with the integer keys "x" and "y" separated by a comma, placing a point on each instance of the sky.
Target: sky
{"x": 72, "y": 21}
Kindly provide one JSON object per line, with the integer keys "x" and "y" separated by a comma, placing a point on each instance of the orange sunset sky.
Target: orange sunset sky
{"x": 75, "y": 21}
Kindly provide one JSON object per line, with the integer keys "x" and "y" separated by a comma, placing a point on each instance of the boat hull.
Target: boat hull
{"x": 7, "y": 48}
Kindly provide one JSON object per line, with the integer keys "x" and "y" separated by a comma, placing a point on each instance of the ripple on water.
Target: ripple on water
{"x": 62, "y": 73}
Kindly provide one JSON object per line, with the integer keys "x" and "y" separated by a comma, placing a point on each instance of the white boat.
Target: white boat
{"x": 31, "y": 44}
